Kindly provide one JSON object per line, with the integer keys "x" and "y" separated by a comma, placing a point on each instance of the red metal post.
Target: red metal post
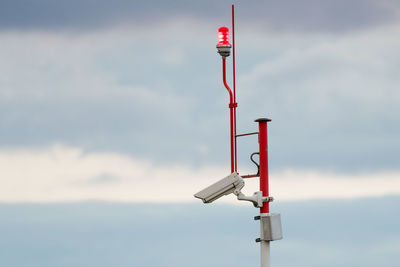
{"x": 234, "y": 81}
{"x": 263, "y": 142}
{"x": 231, "y": 108}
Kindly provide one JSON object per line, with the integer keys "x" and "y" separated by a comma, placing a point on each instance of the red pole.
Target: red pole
{"x": 234, "y": 81}
{"x": 263, "y": 142}
{"x": 231, "y": 107}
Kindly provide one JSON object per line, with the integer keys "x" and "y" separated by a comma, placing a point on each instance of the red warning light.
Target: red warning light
{"x": 223, "y": 36}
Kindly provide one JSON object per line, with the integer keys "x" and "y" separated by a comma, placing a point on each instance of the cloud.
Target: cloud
{"x": 102, "y": 178}
{"x": 333, "y": 98}
{"x": 287, "y": 15}
{"x": 60, "y": 173}
{"x": 64, "y": 88}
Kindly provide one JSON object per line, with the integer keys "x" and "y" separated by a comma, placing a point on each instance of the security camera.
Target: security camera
{"x": 230, "y": 184}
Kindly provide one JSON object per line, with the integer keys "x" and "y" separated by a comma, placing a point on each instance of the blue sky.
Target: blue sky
{"x": 123, "y": 102}
{"x": 358, "y": 233}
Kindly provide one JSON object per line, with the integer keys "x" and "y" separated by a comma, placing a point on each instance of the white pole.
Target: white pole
{"x": 265, "y": 262}
{"x": 264, "y": 248}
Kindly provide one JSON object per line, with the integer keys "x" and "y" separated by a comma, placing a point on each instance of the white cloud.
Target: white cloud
{"x": 61, "y": 173}
{"x": 301, "y": 185}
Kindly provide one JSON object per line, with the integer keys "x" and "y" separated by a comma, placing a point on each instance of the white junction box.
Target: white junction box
{"x": 271, "y": 227}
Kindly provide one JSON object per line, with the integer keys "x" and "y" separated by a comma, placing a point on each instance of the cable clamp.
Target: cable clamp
{"x": 233, "y": 105}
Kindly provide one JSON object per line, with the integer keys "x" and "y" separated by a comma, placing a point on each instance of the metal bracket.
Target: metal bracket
{"x": 257, "y": 198}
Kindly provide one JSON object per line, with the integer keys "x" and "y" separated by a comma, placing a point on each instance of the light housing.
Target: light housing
{"x": 223, "y": 36}
{"x": 223, "y": 46}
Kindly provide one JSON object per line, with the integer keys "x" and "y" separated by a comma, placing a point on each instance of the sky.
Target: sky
{"x": 97, "y": 96}
{"x": 169, "y": 235}
{"x": 123, "y": 103}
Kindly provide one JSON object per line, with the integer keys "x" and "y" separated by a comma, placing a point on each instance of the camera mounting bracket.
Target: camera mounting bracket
{"x": 257, "y": 198}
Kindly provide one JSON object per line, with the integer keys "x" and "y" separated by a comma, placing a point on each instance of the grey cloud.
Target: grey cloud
{"x": 328, "y": 15}
{"x": 83, "y": 14}
{"x": 319, "y": 99}
{"x": 285, "y": 15}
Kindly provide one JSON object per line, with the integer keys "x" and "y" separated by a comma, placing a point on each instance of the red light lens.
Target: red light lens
{"x": 223, "y": 36}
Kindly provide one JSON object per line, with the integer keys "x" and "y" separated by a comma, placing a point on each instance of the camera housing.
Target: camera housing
{"x": 225, "y": 186}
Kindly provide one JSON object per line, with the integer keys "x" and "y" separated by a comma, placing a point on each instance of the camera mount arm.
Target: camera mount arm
{"x": 257, "y": 198}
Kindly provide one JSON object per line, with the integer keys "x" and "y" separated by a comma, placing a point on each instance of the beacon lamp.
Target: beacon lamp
{"x": 223, "y": 46}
